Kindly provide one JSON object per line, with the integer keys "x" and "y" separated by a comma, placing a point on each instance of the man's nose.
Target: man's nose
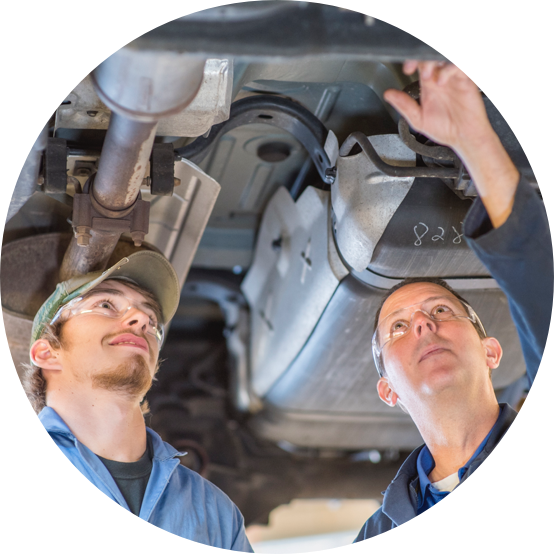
{"x": 423, "y": 323}
{"x": 134, "y": 317}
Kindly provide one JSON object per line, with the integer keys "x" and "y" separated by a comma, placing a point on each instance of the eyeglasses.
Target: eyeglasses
{"x": 114, "y": 305}
{"x": 399, "y": 322}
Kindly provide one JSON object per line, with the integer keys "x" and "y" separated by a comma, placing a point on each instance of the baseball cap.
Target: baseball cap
{"x": 147, "y": 269}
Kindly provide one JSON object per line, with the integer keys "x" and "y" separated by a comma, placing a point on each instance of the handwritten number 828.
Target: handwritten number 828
{"x": 435, "y": 238}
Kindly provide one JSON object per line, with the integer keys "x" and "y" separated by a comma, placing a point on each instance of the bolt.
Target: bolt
{"x": 330, "y": 175}
{"x": 82, "y": 234}
{"x": 138, "y": 237}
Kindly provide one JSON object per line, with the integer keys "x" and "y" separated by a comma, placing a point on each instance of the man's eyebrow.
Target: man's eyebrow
{"x": 451, "y": 298}
{"x": 96, "y": 290}
{"x": 105, "y": 290}
{"x": 431, "y": 298}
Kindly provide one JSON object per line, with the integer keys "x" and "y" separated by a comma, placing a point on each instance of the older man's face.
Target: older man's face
{"x": 115, "y": 354}
{"x": 433, "y": 356}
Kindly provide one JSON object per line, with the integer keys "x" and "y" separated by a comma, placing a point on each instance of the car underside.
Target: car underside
{"x": 289, "y": 196}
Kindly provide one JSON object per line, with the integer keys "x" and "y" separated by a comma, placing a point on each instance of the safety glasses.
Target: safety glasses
{"x": 111, "y": 304}
{"x": 438, "y": 308}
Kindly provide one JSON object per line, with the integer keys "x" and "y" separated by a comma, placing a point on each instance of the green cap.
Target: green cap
{"x": 147, "y": 269}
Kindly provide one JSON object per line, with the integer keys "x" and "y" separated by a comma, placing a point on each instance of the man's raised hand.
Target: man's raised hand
{"x": 451, "y": 110}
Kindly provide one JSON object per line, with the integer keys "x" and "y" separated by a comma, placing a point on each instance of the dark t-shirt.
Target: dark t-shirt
{"x": 132, "y": 478}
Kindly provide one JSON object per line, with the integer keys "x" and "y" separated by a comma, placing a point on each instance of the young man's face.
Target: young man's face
{"x": 111, "y": 353}
{"x": 433, "y": 356}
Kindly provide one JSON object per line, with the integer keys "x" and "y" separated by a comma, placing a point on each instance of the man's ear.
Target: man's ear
{"x": 493, "y": 351}
{"x": 44, "y": 356}
{"x": 386, "y": 394}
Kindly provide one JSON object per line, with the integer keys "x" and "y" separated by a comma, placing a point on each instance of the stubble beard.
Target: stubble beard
{"x": 131, "y": 378}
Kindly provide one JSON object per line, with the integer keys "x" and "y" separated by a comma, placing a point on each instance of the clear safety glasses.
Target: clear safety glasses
{"x": 113, "y": 305}
{"x": 399, "y": 322}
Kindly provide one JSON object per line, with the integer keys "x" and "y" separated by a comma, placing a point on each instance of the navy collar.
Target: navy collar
{"x": 426, "y": 464}
{"x": 400, "y": 500}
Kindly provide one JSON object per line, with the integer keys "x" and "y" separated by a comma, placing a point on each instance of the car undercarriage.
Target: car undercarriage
{"x": 289, "y": 196}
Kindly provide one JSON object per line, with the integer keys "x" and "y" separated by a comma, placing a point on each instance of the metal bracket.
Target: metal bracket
{"x": 276, "y": 111}
{"x": 86, "y": 217}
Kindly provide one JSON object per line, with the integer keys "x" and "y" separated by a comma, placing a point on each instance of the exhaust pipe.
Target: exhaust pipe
{"x": 140, "y": 87}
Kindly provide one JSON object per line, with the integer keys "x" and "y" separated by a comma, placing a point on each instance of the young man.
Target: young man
{"x": 431, "y": 350}
{"x": 94, "y": 353}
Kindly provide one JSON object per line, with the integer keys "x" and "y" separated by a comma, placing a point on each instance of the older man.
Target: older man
{"x": 430, "y": 348}
{"x": 94, "y": 353}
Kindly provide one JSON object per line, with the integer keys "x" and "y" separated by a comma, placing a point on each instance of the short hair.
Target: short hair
{"x": 410, "y": 281}
{"x": 33, "y": 380}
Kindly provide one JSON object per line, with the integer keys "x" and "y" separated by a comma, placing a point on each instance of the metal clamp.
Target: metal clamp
{"x": 276, "y": 111}
{"x": 87, "y": 216}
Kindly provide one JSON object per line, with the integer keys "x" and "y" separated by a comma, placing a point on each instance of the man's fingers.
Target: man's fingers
{"x": 427, "y": 70}
{"x": 405, "y": 105}
{"x": 410, "y": 66}
{"x": 448, "y": 71}
{"x": 431, "y": 69}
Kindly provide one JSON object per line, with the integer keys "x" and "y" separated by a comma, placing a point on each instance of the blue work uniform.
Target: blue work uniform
{"x": 518, "y": 254}
{"x": 176, "y": 498}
